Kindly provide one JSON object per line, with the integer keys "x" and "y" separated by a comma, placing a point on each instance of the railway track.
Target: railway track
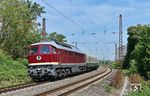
{"x": 16, "y": 87}
{"x": 77, "y": 85}
{"x": 19, "y": 86}
{"x": 58, "y": 88}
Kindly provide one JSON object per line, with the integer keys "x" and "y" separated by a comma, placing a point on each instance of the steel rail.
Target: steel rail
{"x": 74, "y": 83}
{"x": 84, "y": 85}
{"x": 16, "y": 87}
{"x": 19, "y": 86}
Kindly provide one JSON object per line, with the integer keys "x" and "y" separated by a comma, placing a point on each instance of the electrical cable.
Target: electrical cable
{"x": 64, "y": 16}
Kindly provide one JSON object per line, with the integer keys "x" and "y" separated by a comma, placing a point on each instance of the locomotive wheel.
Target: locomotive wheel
{"x": 64, "y": 73}
{"x": 68, "y": 72}
{"x": 59, "y": 73}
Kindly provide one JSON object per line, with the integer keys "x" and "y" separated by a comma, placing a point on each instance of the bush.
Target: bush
{"x": 117, "y": 64}
{"x": 145, "y": 90}
{"x": 108, "y": 88}
{"x": 135, "y": 78}
{"x": 117, "y": 79}
{"x": 12, "y": 72}
{"x": 132, "y": 69}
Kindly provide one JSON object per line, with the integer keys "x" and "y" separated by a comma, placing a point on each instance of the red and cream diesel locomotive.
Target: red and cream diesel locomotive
{"x": 55, "y": 60}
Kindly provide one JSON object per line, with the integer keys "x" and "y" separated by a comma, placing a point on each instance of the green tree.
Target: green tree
{"x": 138, "y": 50}
{"x": 56, "y": 36}
{"x": 34, "y": 10}
{"x": 18, "y": 25}
{"x": 134, "y": 36}
{"x": 141, "y": 54}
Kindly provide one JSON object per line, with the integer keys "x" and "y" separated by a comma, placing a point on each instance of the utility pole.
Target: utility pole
{"x": 115, "y": 52}
{"x": 120, "y": 38}
{"x": 43, "y": 33}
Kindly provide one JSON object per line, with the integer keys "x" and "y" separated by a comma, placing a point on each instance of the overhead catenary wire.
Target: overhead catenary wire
{"x": 72, "y": 21}
{"x": 105, "y": 43}
{"x": 83, "y": 29}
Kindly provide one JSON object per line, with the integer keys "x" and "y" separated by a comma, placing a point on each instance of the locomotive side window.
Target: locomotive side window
{"x": 44, "y": 50}
{"x": 34, "y": 50}
{"x": 53, "y": 50}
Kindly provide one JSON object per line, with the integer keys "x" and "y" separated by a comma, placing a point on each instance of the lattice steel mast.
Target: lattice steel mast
{"x": 120, "y": 38}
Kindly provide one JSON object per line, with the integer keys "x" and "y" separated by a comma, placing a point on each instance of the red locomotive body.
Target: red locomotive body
{"x": 54, "y": 59}
{"x": 44, "y": 53}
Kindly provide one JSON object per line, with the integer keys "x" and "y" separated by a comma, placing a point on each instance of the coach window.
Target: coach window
{"x": 53, "y": 50}
{"x": 45, "y": 50}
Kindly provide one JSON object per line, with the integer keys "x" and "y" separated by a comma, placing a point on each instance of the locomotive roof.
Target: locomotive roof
{"x": 60, "y": 46}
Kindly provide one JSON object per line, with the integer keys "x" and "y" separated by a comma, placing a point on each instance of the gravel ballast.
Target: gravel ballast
{"x": 31, "y": 91}
{"x": 98, "y": 89}
{"x": 101, "y": 88}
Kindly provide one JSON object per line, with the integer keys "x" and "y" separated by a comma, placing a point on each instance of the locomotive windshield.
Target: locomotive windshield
{"x": 45, "y": 50}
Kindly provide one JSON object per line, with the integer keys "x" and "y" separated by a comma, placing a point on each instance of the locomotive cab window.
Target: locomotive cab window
{"x": 53, "y": 50}
{"x": 34, "y": 50}
{"x": 44, "y": 50}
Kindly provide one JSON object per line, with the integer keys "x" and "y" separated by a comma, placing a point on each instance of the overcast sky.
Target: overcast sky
{"x": 94, "y": 16}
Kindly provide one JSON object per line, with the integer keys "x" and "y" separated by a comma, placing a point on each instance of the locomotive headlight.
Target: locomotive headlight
{"x": 30, "y": 71}
{"x": 39, "y": 70}
{"x": 30, "y": 68}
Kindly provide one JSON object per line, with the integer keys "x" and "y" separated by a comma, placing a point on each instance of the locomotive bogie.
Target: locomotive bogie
{"x": 41, "y": 71}
{"x": 55, "y": 71}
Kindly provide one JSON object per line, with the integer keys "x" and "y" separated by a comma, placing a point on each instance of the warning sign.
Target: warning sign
{"x": 135, "y": 87}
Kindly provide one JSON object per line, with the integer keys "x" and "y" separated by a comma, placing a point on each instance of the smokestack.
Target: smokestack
{"x": 43, "y": 33}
